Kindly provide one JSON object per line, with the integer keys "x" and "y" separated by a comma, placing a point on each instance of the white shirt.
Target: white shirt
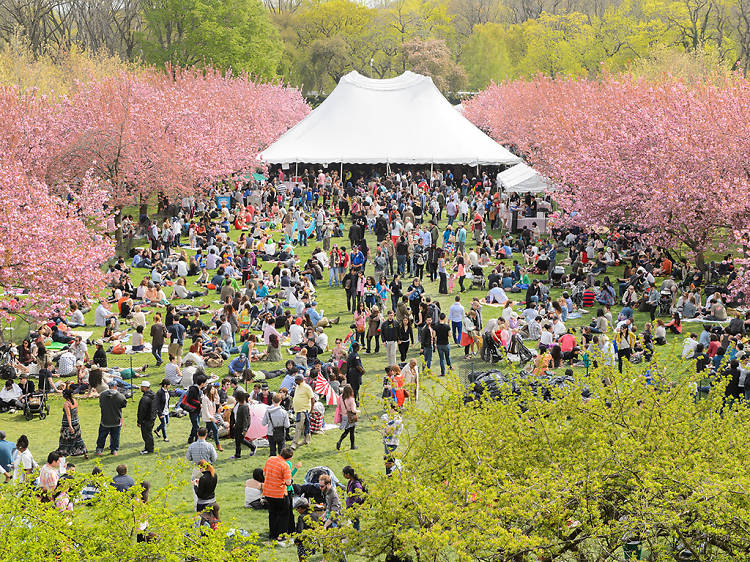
{"x": 456, "y": 312}
{"x": 12, "y": 393}
{"x": 77, "y": 317}
{"x": 497, "y": 294}
{"x": 546, "y": 338}
{"x": 79, "y": 350}
{"x": 559, "y": 329}
{"x": 688, "y": 347}
{"x": 100, "y": 315}
{"x": 296, "y": 334}
{"x": 182, "y": 269}
{"x": 474, "y": 258}
{"x": 22, "y": 461}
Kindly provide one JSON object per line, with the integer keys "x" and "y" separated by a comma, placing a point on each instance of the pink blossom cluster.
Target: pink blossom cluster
{"x": 66, "y": 163}
{"x": 670, "y": 159}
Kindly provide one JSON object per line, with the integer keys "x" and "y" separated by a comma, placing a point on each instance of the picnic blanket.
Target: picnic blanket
{"x": 704, "y": 321}
{"x": 85, "y": 334}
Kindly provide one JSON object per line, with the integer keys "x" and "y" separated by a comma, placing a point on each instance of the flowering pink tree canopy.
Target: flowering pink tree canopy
{"x": 115, "y": 141}
{"x": 50, "y": 249}
{"x": 152, "y": 133}
{"x": 671, "y": 159}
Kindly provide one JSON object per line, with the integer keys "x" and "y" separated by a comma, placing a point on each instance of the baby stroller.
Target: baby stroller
{"x": 558, "y": 272}
{"x": 478, "y": 280}
{"x": 517, "y": 347}
{"x": 665, "y": 303}
{"x": 36, "y": 405}
{"x": 491, "y": 351}
{"x": 577, "y": 294}
{"x": 313, "y": 475}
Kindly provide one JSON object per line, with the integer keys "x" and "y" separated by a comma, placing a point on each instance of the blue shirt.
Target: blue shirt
{"x": 262, "y": 291}
{"x": 358, "y": 258}
{"x": 314, "y": 316}
{"x": 238, "y": 364}
{"x": 6, "y": 454}
{"x": 177, "y": 331}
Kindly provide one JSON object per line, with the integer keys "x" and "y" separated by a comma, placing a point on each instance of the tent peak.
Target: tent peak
{"x": 405, "y": 80}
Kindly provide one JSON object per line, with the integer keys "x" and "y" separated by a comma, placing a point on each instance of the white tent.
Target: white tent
{"x": 401, "y": 120}
{"x": 522, "y": 178}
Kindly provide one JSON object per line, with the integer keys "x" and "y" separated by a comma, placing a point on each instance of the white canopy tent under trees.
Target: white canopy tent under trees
{"x": 401, "y": 120}
{"x": 522, "y": 178}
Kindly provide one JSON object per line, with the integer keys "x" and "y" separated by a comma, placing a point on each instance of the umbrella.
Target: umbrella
{"x": 257, "y": 430}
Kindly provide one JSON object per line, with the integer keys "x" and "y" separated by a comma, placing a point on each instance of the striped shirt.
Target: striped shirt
{"x": 277, "y": 472}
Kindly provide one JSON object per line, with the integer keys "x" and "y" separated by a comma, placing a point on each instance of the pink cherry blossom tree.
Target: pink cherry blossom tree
{"x": 51, "y": 249}
{"x": 151, "y": 132}
{"x": 672, "y": 159}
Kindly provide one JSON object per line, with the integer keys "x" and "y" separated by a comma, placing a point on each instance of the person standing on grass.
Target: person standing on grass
{"x": 303, "y": 402}
{"x": 456, "y": 314}
{"x": 241, "y": 425}
{"x": 278, "y": 476}
{"x": 209, "y": 405}
{"x": 111, "y": 403}
{"x": 158, "y": 334}
{"x": 349, "y": 416}
{"x": 276, "y": 419}
{"x": 161, "y": 407}
{"x": 146, "y": 417}
{"x": 389, "y": 335}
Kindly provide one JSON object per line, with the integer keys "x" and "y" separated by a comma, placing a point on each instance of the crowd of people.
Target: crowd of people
{"x": 242, "y": 247}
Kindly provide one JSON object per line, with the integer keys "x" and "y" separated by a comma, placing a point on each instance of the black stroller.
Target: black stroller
{"x": 557, "y": 275}
{"x": 665, "y": 303}
{"x": 36, "y": 405}
{"x": 478, "y": 281}
{"x": 491, "y": 351}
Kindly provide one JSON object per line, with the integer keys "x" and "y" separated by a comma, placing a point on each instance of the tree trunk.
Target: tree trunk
{"x": 142, "y": 207}
{"x": 700, "y": 260}
{"x": 118, "y": 226}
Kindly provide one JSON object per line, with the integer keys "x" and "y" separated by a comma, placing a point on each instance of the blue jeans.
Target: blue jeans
{"x": 333, "y": 276}
{"x": 213, "y": 429}
{"x": 401, "y": 261}
{"x": 195, "y": 420}
{"x": 302, "y": 238}
{"x": 428, "y": 356}
{"x": 180, "y": 392}
{"x": 444, "y": 352}
{"x": 114, "y": 438}
{"x": 164, "y": 421}
{"x": 156, "y": 352}
{"x": 456, "y": 328}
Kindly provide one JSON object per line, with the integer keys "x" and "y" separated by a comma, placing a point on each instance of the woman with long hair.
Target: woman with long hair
{"x": 360, "y": 322}
{"x": 71, "y": 443}
{"x": 209, "y": 405}
{"x": 405, "y": 337}
{"x": 205, "y": 487}
{"x": 349, "y": 416}
{"x": 355, "y": 491}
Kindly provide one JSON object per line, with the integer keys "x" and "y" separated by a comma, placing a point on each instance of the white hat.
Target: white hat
{"x": 145, "y": 384}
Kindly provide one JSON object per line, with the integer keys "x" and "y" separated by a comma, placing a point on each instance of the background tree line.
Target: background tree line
{"x": 463, "y": 44}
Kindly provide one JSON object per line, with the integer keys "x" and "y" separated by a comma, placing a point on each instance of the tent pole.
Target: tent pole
{"x": 430, "y": 182}
{"x": 295, "y": 169}
{"x": 341, "y": 174}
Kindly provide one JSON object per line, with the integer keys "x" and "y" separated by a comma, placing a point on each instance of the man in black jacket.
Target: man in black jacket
{"x": 146, "y": 417}
{"x": 161, "y": 408}
{"x": 111, "y": 403}
{"x": 389, "y": 335}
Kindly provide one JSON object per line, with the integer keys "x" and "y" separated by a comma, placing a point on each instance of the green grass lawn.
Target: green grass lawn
{"x": 166, "y": 463}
